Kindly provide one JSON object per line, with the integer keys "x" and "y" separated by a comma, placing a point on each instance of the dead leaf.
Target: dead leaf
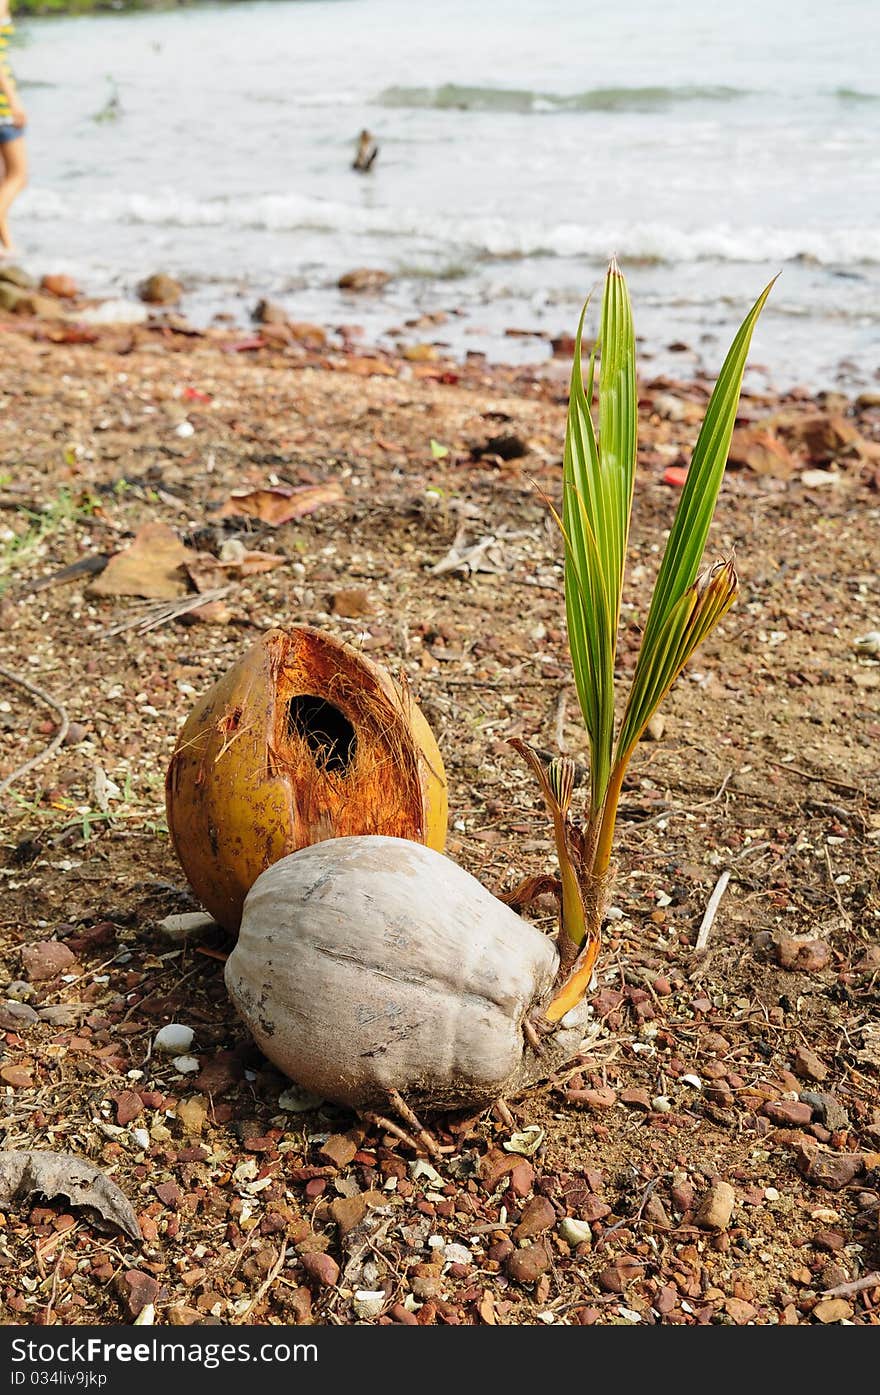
{"x": 28, "y": 1173}
{"x": 153, "y": 567}
{"x": 235, "y": 561}
{"x": 281, "y": 503}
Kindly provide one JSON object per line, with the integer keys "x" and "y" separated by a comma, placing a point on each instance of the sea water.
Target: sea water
{"x": 521, "y": 144}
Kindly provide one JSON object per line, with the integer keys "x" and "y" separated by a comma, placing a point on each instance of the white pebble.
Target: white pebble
{"x": 660, "y": 1104}
{"x": 141, "y": 1138}
{"x": 173, "y": 1039}
{"x": 575, "y": 1232}
{"x": 368, "y": 1303}
{"x": 771, "y": 1194}
{"x": 185, "y": 428}
{"x": 186, "y": 1065}
{"x": 693, "y": 1080}
{"x": 457, "y": 1254}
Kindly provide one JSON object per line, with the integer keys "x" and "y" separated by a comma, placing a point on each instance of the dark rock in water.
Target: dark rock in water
{"x": 364, "y": 278}
{"x": 160, "y": 289}
{"x": 269, "y": 312}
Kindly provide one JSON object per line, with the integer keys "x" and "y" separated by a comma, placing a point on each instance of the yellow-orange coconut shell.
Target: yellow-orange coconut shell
{"x": 304, "y": 739}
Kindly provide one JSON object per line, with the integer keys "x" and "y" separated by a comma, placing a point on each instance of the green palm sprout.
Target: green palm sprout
{"x": 688, "y": 602}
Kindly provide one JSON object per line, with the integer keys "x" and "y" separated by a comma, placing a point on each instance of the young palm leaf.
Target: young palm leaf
{"x": 598, "y": 476}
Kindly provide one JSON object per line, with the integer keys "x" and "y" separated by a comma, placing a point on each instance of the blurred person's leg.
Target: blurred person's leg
{"x": 13, "y": 157}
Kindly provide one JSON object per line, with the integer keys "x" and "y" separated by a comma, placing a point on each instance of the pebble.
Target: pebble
{"x": 807, "y": 1065}
{"x": 348, "y": 1212}
{"x": 575, "y": 1232}
{"x": 788, "y": 1113}
{"x": 527, "y": 1265}
{"x": 538, "y": 1216}
{"x": 185, "y": 1065}
{"x": 18, "y": 990}
{"x": 602, "y": 1098}
{"x": 46, "y": 960}
{"x": 128, "y": 1106}
{"x": 832, "y": 1310}
{"x": 192, "y": 1113}
{"x": 810, "y": 956}
{"x": 322, "y": 1268}
{"x": 18, "y": 1077}
{"x": 141, "y": 1138}
{"x": 173, "y": 1039}
{"x": 339, "y": 1149}
{"x": 716, "y": 1207}
{"x": 180, "y": 927}
{"x": 368, "y": 1303}
{"x": 20, "y": 1013}
{"x": 137, "y": 1289}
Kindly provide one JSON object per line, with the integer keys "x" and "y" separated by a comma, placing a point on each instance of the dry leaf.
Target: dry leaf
{"x": 281, "y": 503}
{"x": 24, "y": 1174}
{"x": 153, "y": 567}
{"x": 235, "y": 561}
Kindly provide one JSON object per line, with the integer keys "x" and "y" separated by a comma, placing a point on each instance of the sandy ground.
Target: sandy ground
{"x": 714, "y": 1156}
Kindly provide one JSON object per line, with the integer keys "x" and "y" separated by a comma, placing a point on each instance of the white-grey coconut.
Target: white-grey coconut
{"x": 370, "y": 965}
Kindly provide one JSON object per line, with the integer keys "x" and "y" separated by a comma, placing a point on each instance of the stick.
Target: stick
{"x": 266, "y": 1284}
{"x": 857, "y": 1286}
{"x": 165, "y": 611}
{"x": 57, "y": 739}
{"x": 711, "y": 911}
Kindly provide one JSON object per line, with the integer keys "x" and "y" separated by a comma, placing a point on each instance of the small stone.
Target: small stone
{"x": 615, "y": 1277}
{"x": 192, "y": 1113}
{"x": 716, "y": 1207}
{"x": 182, "y": 1316}
{"x": 368, "y": 1303}
{"x": 655, "y": 728}
{"x": 832, "y": 1170}
{"x": 321, "y": 1267}
{"x": 494, "y": 1167}
{"x": 137, "y": 1289}
{"x": 601, "y": 1098}
{"x": 538, "y": 1216}
{"x": 424, "y": 1280}
{"x": 636, "y": 1097}
{"x": 827, "y": 1109}
{"x": 47, "y": 960}
{"x": 364, "y": 278}
{"x": 128, "y": 1106}
{"x": 807, "y": 1065}
{"x": 186, "y": 1065}
{"x": 18, "y": 1077}
{"x": 173, "y": 1039}
{"x": 62, "y": 1014}
{"x": 526, "y": 1266}
{"x": 830, "y": 1240}
{"x": 655, "y": 1212}
{"x": 348, "y": 1212}
{"x": 178, "y": 928}
{"x": 522, "y": 1178}
{"x": 339, "y": 1149}
{"x": 788, "y": 1113}
{"x": 14, "y": 1015}
{"x": 57, "y": 284}
{"x": 575, "y": 1232}
{"x": 160, "y": 289}
{"x": 740, "y": 1310}
{"x": 169, "y": 1194}
{"x": 141, "y": 1138}
{"x": 797, "y": 952}
{"x": 268, "y": 312}
{"x": 832, "y": 1310}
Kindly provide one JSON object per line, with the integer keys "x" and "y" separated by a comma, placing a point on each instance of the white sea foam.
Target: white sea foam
{"x": 474, "y": 236}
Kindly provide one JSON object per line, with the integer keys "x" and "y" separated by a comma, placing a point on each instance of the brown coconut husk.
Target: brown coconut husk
{"x": 304, "y": 739}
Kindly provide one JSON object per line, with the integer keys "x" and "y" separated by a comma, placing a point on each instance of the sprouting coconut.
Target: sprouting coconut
{"x": 303, "y": 739}
{"x": 377, "y": 973}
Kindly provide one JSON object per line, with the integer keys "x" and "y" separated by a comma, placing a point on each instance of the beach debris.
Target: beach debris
{"x": 367, "y": 151}
{"x": 179, "y": 928}
{"x": 487, "y": 554}
{"x": 153, "y": 567}
{"x": 364, "y": 278}
{"x": 28, "y": 1173}
{"x": 57, "y": 284}
{"x": 759, "y": 450}
{"x": 303, "y": 739}
{"x": 160, "y": 289}
{"x": 868, "y": 644}
{"x": 269, "y": 312}
{"x": 278, "y": 504}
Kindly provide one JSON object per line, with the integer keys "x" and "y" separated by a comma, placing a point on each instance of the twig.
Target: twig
{"x": 847, "y": 918}
{"x": 167, "y": 610}
{"x": 711, "y": 911}
{"x": 57, "y": 739}
{"x": 857, "y": 1286}
{"x": 265, "y": 1285}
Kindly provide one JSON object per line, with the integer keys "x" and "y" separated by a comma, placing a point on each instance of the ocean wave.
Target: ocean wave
{"x": 453, "y": 96}
{"x": 475, "y": 238}
{"x": 851, "y": 94}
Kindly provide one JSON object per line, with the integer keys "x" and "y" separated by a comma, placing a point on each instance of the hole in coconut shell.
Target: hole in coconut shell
{"x": 329, "y": 735}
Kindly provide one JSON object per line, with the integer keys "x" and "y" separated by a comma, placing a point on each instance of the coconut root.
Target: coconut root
{"x": 420, "y": 1136}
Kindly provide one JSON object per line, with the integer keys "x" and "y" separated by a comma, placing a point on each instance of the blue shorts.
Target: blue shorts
{"x": 8, "y": 132}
